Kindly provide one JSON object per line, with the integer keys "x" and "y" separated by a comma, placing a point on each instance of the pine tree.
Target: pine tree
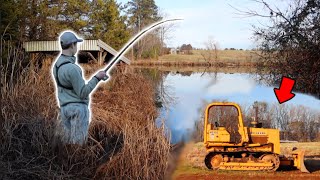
{"x": 28, "y": 20}
{"x": 141, "y": 14}
{"x": 10, "y": 13}
{"x": 107, "y": 24}
{"x": 74, "y": 15}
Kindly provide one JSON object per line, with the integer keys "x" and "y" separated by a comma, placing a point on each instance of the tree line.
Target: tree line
{"x": 112, "y": 22}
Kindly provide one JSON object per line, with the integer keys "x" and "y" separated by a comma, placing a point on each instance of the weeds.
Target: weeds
{"x": 124, "y": 141}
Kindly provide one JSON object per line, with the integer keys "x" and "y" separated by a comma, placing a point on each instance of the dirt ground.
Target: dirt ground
{"x": 191, "y": 166}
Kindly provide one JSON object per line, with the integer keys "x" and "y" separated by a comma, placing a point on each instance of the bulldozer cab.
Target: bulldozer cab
{"x": 224, "y": 124}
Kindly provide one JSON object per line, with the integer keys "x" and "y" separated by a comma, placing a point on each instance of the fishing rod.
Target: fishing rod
{"x": 124, "y": 49}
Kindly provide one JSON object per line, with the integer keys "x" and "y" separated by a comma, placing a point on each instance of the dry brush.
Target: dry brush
{"x": 124, "y": 139}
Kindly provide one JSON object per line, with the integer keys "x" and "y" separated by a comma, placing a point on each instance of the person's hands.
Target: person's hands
{"x": 101, "y": 75}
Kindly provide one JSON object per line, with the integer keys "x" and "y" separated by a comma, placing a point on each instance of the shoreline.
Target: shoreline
{"x": 193, "y": 63}
{"x": 200, "y": 69}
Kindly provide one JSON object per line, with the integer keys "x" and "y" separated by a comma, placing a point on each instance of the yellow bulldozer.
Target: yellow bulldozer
{"x": 232, "y": 146}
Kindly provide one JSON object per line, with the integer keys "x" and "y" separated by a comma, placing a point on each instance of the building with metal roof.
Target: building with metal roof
{"x": 96, "y": 49}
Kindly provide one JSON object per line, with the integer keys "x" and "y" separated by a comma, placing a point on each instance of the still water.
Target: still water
{"x": 193, "y": 91}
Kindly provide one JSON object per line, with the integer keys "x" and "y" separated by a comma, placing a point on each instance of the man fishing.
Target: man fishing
{"x": 73, "y": 93}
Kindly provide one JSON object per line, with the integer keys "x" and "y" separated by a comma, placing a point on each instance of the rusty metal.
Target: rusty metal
{"x": 259, "y": 139}
{"x": 298, "y": 158}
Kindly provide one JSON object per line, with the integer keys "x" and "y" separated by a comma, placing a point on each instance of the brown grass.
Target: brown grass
{"x": 234, "y": 58}
{"x": 124, "y": 140}
{"x": 223, "y": 55}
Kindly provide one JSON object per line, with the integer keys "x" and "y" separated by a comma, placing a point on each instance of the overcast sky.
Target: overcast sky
{"x": 212, "y": 18}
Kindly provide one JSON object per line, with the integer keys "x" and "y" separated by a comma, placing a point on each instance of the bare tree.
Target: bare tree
{"x": 165, "y": 32}
{"x": 210, "y": 53}
{"x": 279, "y": 118}
{"x": 290, "y": 44}
{"x": 296, "y": 122}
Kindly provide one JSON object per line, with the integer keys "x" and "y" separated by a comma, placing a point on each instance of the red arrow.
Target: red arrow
{"x": 284, "y": 93}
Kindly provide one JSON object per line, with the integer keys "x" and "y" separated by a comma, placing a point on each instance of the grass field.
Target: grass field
{"x": 311, "y": 148}
{"x": 191, "y": 166}
{"x": 223, "y": 55}
{"x": 203, "y": 57}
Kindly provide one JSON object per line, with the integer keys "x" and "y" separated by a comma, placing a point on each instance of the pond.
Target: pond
{"x": 194, "y": 90}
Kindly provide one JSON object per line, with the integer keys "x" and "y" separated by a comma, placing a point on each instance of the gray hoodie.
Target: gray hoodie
{"x": 70, "y": 76}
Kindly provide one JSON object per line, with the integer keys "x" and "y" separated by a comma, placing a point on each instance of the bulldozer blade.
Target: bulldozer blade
{"x": 298, "y": 156}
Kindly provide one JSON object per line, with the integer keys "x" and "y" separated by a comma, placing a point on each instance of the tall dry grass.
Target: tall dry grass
{"x": 124, "y": 141}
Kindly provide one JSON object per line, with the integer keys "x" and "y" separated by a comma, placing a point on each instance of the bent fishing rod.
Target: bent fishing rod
{"x": 124, "y": 49}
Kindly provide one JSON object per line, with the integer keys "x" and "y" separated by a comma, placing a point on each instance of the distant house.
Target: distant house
{"x": 95, "y": 50}
{"x": 186, "y": 49}
{"x": 173, "y": 51}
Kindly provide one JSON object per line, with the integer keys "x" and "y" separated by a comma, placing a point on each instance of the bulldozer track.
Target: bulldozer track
{"x": 251, "y": 168}
{"x": 266, "y": 162}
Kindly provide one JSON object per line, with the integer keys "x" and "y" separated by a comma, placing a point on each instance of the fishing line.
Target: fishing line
{"x": 132, "y": 41}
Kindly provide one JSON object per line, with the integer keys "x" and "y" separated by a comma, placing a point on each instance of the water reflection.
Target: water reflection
{"x": 194, "y": 90}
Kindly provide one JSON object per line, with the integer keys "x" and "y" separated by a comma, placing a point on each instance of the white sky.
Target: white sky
{"x": 212, "y": 18}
